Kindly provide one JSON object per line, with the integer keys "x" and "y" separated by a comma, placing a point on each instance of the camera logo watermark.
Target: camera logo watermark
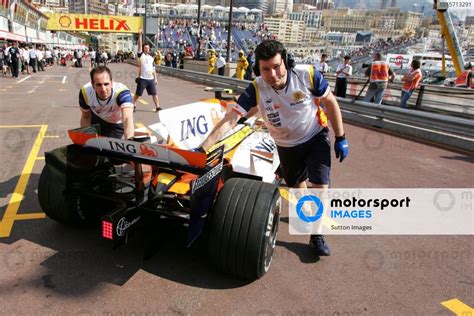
{"x": 381, "y": 211}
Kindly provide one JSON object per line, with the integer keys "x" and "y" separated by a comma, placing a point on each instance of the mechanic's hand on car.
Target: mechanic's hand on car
{"x": 341, "y": 147}
{"x": 242, "y": 120}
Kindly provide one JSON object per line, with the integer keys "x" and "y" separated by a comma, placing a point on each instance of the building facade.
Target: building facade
{"x": 88, "y": 7}
{"x": 311, "y": 18}
{"x": 280, "y": 6}
{"x": 252, "y": 4}
{"x": 285, "y": 30}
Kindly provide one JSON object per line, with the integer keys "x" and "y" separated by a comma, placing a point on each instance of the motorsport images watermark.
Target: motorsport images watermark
{"x": 381, "y": 211}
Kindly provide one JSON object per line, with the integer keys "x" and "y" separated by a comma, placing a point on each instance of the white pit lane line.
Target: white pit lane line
{"x": 20, "y": 81}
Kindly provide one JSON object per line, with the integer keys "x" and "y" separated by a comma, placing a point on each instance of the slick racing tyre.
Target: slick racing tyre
{"x": 67, "y": 172}
{"x": 244, "y": 227}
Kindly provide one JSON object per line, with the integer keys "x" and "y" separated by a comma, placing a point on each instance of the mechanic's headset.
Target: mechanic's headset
{"x": 288, "y": 60}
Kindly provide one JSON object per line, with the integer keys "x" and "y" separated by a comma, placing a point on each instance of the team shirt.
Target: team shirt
{"x": 109, "y": 110}
{"x": 291, "y": 114}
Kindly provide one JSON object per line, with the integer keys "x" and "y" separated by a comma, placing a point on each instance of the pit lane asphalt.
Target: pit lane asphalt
{"x": 48, "y": 268}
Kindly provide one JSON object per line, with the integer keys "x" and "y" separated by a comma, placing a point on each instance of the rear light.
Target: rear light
{"x": 107, "y": 231}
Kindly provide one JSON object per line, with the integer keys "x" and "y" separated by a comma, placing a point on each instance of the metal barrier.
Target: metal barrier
{"x": 433, "y": 98}
{"x": 451, "y": 131}
{"x": 454, "y": 132}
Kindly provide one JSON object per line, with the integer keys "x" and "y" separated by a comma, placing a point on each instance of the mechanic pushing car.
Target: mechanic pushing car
{"x": 286, "y": 95}
{"x": 108, "y": 104}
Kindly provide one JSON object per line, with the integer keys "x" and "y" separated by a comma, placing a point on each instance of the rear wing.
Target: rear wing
{"x": 129, "y": 150}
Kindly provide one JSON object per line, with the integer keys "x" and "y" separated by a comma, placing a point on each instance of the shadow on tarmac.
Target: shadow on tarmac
{"x": 469, "y": 159}
{"x": 76, "y": 261}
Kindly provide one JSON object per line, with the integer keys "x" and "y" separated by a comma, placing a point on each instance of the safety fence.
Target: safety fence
{"x": 452, "y": 131}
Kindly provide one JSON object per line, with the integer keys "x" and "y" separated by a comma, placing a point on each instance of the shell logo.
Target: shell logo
{"x": 64, "y": 21}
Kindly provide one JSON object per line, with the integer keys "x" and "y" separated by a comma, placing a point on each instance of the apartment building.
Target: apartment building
{"x": 286, "y": 31}
{"x": 311, "y": 17}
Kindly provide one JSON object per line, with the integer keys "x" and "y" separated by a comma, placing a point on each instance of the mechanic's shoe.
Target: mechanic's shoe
{"x": 157, "y": 109}
{"x": 321, "y": 248}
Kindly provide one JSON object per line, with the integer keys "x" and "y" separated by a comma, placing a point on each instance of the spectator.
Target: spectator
{"x": 25, "y": 59}
{"x": 410, "y": 83}
{"x": 3, "y": 60}
{"x": 39, "y": 59}
{"x": 168, "y": 59}
{"x": 146, "y": 74}
{"x": 14, "y": 54}
{"x": 251, "y": 60}
{"x": 343, "y": 71}
{"x": 220, "y": 64}
{"x": 79, "y": 55}
{"x": 322, "y": 66}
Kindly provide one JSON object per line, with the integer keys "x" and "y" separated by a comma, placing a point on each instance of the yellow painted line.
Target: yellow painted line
{"x": 39, "y": 158}
{"x": 285, "y": 193}
{"x": 20, "y": 126}
{"x": 141, "y": 125}
{"x": 140, "y": 100}
{"x": 21, "y": 217}
{"x": 458, "y": 307}
{"x": 10, "y": 214}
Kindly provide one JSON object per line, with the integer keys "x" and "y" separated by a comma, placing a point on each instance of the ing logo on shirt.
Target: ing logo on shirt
{"x": 298, "y": 96}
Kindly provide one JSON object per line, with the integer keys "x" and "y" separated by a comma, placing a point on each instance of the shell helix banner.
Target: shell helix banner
{"x": 94, "y": 23}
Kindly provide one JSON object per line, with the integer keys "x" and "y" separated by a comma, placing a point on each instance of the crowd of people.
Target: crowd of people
{"x": 18, "y": 59}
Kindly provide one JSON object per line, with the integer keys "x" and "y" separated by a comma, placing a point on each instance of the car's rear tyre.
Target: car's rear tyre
{"x": 244, "y": 227}
{"x": 67, "y": 171}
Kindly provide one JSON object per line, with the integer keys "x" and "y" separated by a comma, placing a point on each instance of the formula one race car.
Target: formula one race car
{"x": 122, "y": 185}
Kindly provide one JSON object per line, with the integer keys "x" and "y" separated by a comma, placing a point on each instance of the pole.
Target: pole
{"x": 144, "y": 24}
{"x": 229, "y": 29}
{"x": 443, "y": 59}
{"x": 199, "y": 18}
{"x": 362, "y": 90}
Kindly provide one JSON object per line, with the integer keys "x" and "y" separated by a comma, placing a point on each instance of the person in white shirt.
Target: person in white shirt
{"x": 220, "y": 64}
{"x": 39, "y": 59}
{"x": 107, "y": 103}
{"x": 56, "y": 55}
{"x": 343, "y": 71}
{"x": 92, "y": 56}
{"x": 49, "y": 57}
{"x": 104, "y": 57}
{"x": 25, "y": 59}
{"x": 322, "y": 65}
{"x": 32, "y": 58}
{"x": 286, "y": 96}
{"x": 146, "y": 74}
{"x": 79, "y": 55}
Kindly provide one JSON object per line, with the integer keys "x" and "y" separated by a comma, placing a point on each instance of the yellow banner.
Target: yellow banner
{"x": 94, "y": 23}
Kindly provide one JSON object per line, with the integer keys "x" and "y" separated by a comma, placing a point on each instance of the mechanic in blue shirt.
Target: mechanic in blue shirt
{"x": 288, "y": 98}
{"x": 107, "y": 103}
